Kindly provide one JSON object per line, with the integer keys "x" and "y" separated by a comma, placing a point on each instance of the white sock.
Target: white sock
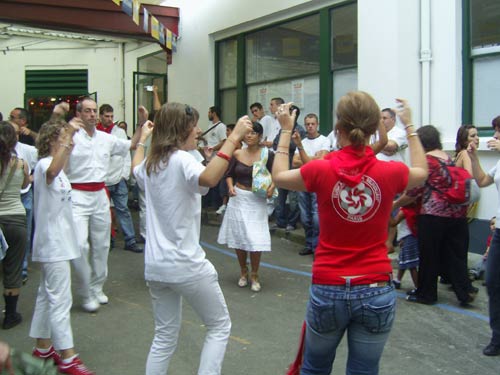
{"x": 69, "y": 360}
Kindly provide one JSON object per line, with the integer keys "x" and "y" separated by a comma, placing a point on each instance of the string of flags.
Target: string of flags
{"x": 159, "y": 32}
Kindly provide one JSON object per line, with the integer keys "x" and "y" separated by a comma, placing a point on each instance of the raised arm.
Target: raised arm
{"x": 480, "y": 176}
{"x": 63, "y": 151}
{"x": 382, "y": 140}
{"x": 145, "y": 133}
{"x": 282, "y": 176}
{"x": 418, "y": 162}
{"x": 218, "y": 165}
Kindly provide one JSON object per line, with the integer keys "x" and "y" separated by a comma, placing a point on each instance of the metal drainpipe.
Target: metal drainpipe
{"x": 425, "y": 59}
{"x": 121, "y": 69}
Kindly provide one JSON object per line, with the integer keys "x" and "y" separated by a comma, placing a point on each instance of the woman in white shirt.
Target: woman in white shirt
{"x": 175, "y": 263}
{"x": 54, "y": 245}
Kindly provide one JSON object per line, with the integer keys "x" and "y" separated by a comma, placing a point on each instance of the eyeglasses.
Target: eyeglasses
{"x": 13, "y": 117}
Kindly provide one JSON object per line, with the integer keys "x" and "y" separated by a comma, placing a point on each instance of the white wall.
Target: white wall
{"x": 100, "y": 59}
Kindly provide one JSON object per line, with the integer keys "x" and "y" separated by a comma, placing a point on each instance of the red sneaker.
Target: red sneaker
{"x": 51, "y": 354}
{"x": 75, "y": 367}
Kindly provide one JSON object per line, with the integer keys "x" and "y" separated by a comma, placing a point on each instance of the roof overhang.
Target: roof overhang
{"x": 86, "y": 16}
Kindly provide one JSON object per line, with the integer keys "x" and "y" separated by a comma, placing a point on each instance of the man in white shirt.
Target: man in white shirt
{"x": 87, "y": 169}
{"x": 116, "y": 179}
{"x": 268, "y": 124}
{"x": 214, "y": 137}
{"x": 313, "y": 146}
{"x": 393, "y": 151}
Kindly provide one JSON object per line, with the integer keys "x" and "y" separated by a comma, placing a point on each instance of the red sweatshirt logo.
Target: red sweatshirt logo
{"x": 359, "y": 203}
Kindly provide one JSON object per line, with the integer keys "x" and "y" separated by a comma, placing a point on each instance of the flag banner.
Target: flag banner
{"x": 145, "y": 20}
{"x": 117, "y": 2}
{"x": 136, "y": 5}
{"x": 155, "y": 28}
{"x": 169, "y": 39}
{"x": 174, "y": 43}
{"x": 127, "y": 7}
{"x": 162, "y": 34}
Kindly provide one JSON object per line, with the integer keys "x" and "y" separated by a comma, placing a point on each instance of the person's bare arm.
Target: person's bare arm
{"x": 379, "y": 145}
{"x": 480, "y": 176}
{"x": 282, "y": 176}
{"x": 418, "y": 162}
{"x": 218, "y": 165}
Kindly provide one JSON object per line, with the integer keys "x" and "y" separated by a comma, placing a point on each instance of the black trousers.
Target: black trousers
{"x": 443, "y": 244}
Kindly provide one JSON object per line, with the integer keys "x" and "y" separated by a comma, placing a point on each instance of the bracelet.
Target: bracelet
{"x": 233, "y": 142}
{"x": 409, "y": 126}
{"x": 222, "y": 155}
{"x": 281, "y": 152}
{"x": 141, "y": 144}
{"x": 286, "y": 131}
{"x": 412, "y": 135}
{"x": 300, "y": 148}
{"x": 68, "y": 146}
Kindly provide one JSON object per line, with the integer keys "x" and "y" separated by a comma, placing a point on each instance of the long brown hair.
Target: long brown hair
{"x": 358, "y": 115}
{"x": 462, "y": 138}
{"x": 173, "y": 124}
{"x": 8, "y": 140}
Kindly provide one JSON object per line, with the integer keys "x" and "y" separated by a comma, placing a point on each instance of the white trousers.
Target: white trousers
{"x": 93, "y": 225}
{"x": 51, "y": 318}
{"x": 206, "y": 298}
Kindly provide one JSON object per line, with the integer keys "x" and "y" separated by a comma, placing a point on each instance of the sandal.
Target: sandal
{"x": 255, "y": 287}
{"x": 243, "y": 281}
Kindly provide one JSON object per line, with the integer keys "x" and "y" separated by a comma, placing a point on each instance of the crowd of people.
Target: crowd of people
{"x": 375, "y": 172}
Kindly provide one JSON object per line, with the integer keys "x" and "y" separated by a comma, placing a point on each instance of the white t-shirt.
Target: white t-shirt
{"x": 216, "y": 135}
{"x": 397, "y": 135}
{"x": 30, "y": 155}
{"x": 312, "y": 146}
{"x": 173, "y": 217}
{"x": 119, "y": 165}
{"x": 494, "y": 173}
{"x": 90, "y": 158}
{"x": 55, "y": 230}
{"x": 269, "y": 125}
{"x": 333, "y": 141}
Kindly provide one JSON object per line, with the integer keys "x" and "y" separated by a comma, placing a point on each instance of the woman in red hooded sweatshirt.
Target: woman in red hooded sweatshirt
{"x": 351, "y": 289}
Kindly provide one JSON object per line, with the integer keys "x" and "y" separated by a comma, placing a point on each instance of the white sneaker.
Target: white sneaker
{"x": 102, "y": 298}
{"x": 221, "y": 210}
{"x": 90, "y": 305}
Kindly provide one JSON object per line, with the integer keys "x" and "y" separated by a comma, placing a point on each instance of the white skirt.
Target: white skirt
{"x": 245, "y": 224}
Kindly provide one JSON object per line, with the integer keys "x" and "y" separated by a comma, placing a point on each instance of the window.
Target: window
{"x": 283, "y": 61}
{"x": 227, "y": 55}
{"x": 481, "y": 63}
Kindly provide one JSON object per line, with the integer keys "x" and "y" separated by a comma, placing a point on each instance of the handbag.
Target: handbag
{"x": 261, "y": 177}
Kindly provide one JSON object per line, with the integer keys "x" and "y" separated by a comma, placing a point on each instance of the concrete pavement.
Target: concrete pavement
{"x": 440, "y": 339}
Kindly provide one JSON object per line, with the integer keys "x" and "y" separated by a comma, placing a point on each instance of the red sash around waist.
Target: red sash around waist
{"x": 88, "y": 186}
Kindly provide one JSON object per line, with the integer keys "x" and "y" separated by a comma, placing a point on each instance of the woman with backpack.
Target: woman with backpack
{"x": 443, "y": 233}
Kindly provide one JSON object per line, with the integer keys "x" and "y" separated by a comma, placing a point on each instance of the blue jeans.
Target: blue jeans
{"x": 309, "y": 218}
{"x": 366, "y": 313}
{"x": 27, "y": 200}
{"x": 287, "y": 216}
{"x": 119, "y": 194}
{"x": 493, "y": 286}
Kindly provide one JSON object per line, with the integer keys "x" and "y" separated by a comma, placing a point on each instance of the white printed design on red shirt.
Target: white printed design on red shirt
{"x": 359, "y": 203}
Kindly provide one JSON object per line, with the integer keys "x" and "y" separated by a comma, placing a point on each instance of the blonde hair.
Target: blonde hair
{"x": 49, "y": 132}
{"x": 358, "y": 116}
{"x": 173, "y": 124}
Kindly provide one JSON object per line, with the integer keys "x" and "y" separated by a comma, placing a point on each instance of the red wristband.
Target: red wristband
{"x": 223, "y": 156}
